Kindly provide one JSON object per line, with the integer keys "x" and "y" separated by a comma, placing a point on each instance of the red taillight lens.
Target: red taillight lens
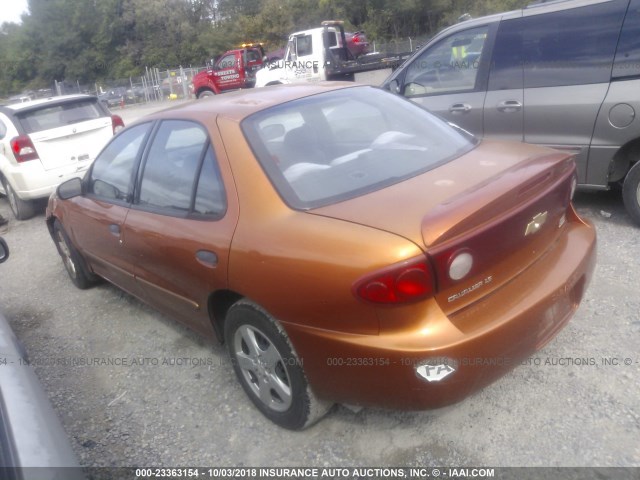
{"x": 406, "y": 282}
{"x": 23, "y": 149}
{"x": 117, "y": 123}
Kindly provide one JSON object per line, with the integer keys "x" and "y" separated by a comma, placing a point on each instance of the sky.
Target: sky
{"x": 10, "y": 10}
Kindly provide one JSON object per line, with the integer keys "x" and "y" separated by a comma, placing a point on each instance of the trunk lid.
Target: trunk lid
{"x": 504, "y": 204}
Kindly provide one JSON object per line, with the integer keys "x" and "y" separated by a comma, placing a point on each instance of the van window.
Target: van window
{"x": 627, "y": 63}
{"x": 449, "y": 66}
{"x": 572, "y": 47}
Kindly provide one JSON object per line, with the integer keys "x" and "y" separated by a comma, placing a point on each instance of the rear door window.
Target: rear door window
{"x": 571, "y": 47}
{"x": 627, "y": 62}
{"x": 180, "y": 174}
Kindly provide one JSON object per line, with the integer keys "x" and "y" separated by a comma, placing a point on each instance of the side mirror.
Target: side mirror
{"x": 69, "y": 189}
{"x": 4, "y": 250}
{"x": 394, "y": 86}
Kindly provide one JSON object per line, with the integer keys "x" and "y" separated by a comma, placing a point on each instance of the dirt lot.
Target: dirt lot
{"x": 134, "y": 388}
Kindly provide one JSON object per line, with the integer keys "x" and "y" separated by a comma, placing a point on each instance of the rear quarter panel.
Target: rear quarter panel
{"x": 301, "y": 267}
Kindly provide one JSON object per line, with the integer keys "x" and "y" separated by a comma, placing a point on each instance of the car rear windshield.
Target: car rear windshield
{"x": 58, "y": 115}
{"x": 338, "y": 145}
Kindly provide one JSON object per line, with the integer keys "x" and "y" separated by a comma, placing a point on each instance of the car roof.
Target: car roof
{"x": 239, "y": 105}
{"x": 534, "y": 8}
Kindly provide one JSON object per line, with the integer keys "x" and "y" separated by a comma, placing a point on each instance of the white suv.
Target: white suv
{"x": 47, "y": 141}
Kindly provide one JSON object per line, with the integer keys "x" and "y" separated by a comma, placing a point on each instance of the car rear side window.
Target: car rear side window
{"x": 570, "y": 47}
{"x": 54, "y": 116}
{"x": 627, "y": 62}
{"x": 338, "y": 145}
{"x": 210, "y": 196}
{"x": 111, "y": 176}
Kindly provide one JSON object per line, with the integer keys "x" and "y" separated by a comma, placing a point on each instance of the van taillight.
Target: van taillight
{"x": 406, "y": 282}
{"x": 23, "y": 149}
{"x": 117, "y": 123}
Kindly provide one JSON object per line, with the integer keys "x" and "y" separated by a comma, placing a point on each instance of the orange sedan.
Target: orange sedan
{"x": 345, "y": 244}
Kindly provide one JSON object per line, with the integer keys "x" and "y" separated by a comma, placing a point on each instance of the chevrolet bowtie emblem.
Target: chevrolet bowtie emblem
{"x": 536, "y": 224}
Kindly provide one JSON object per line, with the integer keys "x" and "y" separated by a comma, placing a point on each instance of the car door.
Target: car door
{"x": 180, "y": 226}
{"x": 567, "y": 62}
{"x": 504, "y": 102}
{"x": 98, "y": 216}
{"x": 618, "y": 123}
{"x": 449, "y": 77}
{"x": 305, "y": 57}
{"x": 226, "y": 71}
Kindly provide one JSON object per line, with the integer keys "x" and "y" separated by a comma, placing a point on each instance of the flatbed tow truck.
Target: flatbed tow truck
{"x": 322, "y": 54}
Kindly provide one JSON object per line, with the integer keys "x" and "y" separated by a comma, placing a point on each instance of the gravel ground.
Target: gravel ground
{"x": 171, "y": 399}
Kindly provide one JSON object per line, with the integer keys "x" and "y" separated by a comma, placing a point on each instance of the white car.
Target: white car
{"x": 47, "y": 141}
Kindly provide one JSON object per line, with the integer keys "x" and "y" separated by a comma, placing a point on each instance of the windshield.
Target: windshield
{"x": 338, "y": 145}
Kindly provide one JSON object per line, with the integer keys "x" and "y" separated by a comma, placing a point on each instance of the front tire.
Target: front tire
{"x": 205, "y": 94}
{"x": 22, "y": 209}
{"x": 74, "y": 263}
{"x": 631, "y": 192}
{"x": 268, "y": 368}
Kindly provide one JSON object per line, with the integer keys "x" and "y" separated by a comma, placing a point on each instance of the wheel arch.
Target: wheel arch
{"x": 624, "y": 159}
{"x": 219, "y": 303}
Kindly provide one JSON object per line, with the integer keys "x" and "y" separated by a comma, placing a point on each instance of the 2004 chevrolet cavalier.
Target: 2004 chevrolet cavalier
{"x": 347, "y": 245}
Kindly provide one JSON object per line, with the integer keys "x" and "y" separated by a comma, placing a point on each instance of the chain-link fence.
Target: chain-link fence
{"x": 154, "y": 86}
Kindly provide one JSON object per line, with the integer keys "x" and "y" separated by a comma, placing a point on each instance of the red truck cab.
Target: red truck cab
{"x": 233, "y": 70}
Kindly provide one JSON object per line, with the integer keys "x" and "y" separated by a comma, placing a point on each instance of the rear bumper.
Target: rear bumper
{"x": 31, "y": 181}
{"x": 512, "y": 323}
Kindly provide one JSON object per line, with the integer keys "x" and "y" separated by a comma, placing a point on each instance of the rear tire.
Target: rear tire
{"x": 21, "y": 209}
{"x": 73, "y": 262}
{"x": 268, "y": 368}
{"x": 631, "y": 192}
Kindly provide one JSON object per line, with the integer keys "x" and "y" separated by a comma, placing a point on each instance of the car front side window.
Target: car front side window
{"x": 111, "y": 176}
{"x": 451, "y": 65}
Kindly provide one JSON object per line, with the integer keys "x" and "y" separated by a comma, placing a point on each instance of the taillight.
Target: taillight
{"x": 117, "y": 123}
{"x": 406, "y": 282}
{"x": 23, "y": 149}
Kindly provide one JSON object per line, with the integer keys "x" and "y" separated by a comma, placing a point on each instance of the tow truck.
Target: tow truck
{"x": 234, "y": 69}
{"x": 322, "y": 54}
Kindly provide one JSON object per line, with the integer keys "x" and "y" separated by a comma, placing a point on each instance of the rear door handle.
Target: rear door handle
{"x": 460, "y": 108}
{"x": 509, "y": 106}
{"x": 207, "y": 258}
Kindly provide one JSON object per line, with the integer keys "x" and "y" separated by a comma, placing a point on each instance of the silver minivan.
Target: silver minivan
{"x": 565, "y": 74}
